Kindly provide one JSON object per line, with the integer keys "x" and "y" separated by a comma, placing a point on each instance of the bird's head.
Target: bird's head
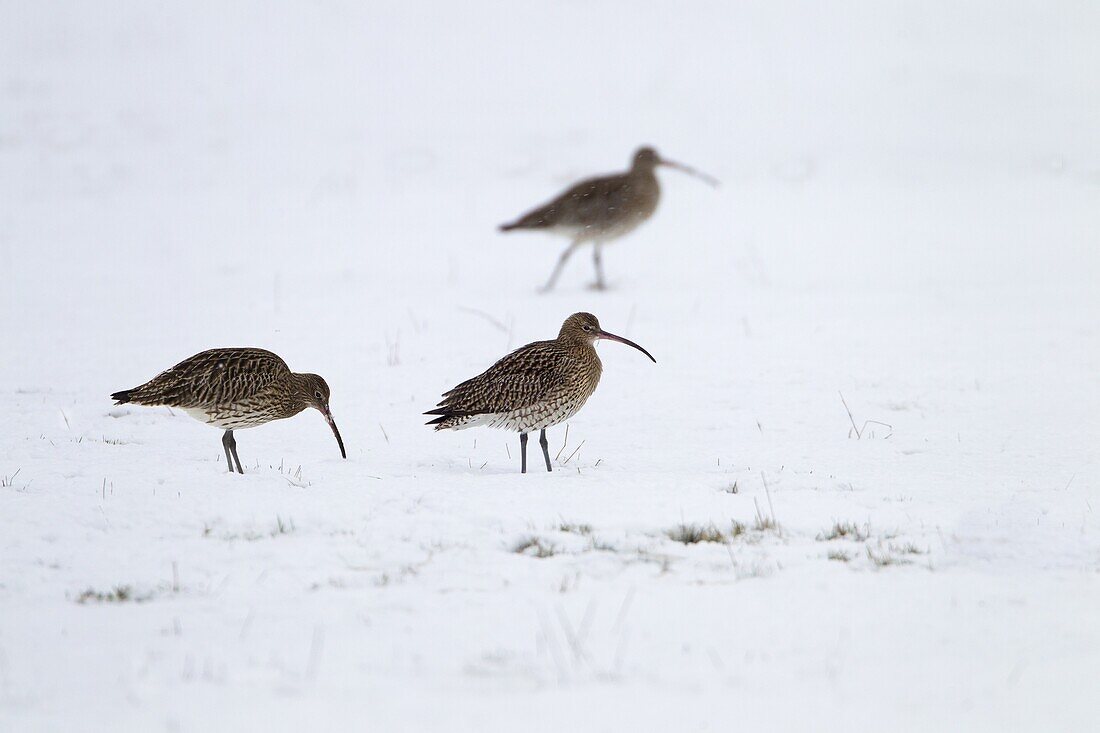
{"x": 316, "y": 393}
{"x": 646, "y": 159}
{"x": 584, "y": 328}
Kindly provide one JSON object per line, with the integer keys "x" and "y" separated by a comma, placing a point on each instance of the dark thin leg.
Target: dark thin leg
{"x": 600, "y": 284}
{"x": 545, "y": 448}
{"x": 523, "y": 452}
{"x": 230, "y": 445}
{"x": 561, "y": 263}
{"x": 227, "y": 437}
{"x": 236, "y": 458}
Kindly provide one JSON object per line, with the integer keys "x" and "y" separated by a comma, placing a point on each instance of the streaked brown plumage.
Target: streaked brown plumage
{"x": 535, "y": 387}
{"x": 234, "y": 389}
{"x": 601, "y": 209}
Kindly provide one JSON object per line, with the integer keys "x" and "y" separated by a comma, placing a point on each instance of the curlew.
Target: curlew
{"x": 535, "y": 387}
{"x": 234, "y": 389}
{"x": 598, "y": 210}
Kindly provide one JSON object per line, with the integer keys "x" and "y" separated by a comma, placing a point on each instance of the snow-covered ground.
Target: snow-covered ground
{"x": 909, "y": 217}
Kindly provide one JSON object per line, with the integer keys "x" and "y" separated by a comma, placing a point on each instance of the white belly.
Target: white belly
{"x": 227, "y": 420}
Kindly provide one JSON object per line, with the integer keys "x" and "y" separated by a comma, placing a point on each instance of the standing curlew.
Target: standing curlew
{"x": 233, "y": 389}
{"x": 601, "y": 209}
{"x": 534, "y": 387}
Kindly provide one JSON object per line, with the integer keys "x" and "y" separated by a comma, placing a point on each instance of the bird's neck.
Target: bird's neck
{"x": 297, "y": 392}
{"x": 581, "y": 349}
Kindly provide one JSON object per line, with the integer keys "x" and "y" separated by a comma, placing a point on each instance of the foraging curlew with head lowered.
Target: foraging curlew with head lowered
{"x": 601, "y": 209}
{"x": 233, "y": 389}
{"x": 535, "y": 387}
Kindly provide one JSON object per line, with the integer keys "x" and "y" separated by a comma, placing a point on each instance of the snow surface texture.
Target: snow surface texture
{"x": 909, "y": 217}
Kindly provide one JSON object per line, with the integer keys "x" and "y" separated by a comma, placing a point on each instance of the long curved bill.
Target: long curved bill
{"x": 711, "y": 180}
{"x": 612, "y": 337}
{"x": 336, "y": 432}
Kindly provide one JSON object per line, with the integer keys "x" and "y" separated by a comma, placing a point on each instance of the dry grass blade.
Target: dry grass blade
{"x": 574, "y": 453}
{"x": 859, "y": 431}
{"x": 564, "y": 442}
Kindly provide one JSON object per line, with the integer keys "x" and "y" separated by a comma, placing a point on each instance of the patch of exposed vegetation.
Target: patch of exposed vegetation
{"x": 597, "y": 545}
{"x": 664, "y": 562}
{"x": 575, "y": 528}
{"x": 839, "y": 555}
{"x": 764, "y": 524}
{"x": 398, "y": 576}
{"x": 691, "y": 534}
{"x": 907, "y": 549}
{"x": 118, "y": 594}
{"x": 845, "y": 531}
{"x": 534, "y": 547}
{"x": 293, "y": 476}
{"x": 882, "y": 560}
{"x": 280, "y": 528}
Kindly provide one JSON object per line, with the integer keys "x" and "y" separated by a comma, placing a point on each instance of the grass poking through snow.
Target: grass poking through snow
{"x": 118, "y": 594}
{"x": 885, "y": 559}
{"x": 845, "y": 531}
{"x": 691, "y": 534}
{"x": 575, "y": 528}
{"x": 534, "y": 547}
{"x": 281, "y": 528}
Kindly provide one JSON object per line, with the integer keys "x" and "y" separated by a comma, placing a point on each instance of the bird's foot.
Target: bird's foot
{"x": 599, "y": 285}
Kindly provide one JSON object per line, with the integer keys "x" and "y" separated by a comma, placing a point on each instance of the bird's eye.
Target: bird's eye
{"x": 317, "y": 394}
{"x": 586, "y": 328}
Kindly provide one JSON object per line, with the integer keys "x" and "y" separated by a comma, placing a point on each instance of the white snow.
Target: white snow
{"x": 909, "y": 218}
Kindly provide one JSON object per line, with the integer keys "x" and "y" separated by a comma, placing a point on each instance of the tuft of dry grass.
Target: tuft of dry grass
{"x": 575, "y": 528}
{"x": 885, "y": 559}
{"x": 845, "y": 531}
{"x": 597, "y": 545}
{"x": 691, "y": 534}
{"x": 118, "y": 594}
{"x": 280, "y": 528}
{"x": 534, "y": 547}
{"x": 907, "y": 549}
{"x": 764, "y": 524}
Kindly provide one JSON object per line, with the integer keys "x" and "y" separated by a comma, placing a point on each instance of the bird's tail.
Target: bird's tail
{"x": 537, "y": 219}
{"x": 449, "y": 419}
{"x": 440, "y": 422}
{"x": 121, "y": 398}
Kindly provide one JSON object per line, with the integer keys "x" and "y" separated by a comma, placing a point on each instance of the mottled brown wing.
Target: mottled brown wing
{"x": 588, "y": 203}
{"x": 602, "y": 200}
{"x": 213, "y": 377}
{"x": 526, "y": 377}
